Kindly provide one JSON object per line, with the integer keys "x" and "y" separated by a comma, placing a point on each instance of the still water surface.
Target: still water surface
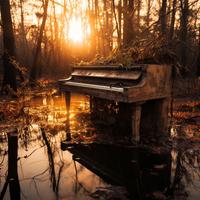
{"x": 95, "y": 171}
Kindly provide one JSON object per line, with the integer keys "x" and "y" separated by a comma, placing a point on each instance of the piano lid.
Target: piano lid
{"x": 108, "y": 72}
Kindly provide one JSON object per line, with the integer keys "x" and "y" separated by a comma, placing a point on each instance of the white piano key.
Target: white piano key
{"x": 93, "y": 86}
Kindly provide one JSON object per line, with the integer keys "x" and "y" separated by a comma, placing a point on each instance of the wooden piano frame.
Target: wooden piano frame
{"x": 149, "y": 97}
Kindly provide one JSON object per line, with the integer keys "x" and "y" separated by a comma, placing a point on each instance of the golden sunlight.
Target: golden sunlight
{"x": 75, "y": 32}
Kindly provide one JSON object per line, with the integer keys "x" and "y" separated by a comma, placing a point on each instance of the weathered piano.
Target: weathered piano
{"x": 144, "y": 89}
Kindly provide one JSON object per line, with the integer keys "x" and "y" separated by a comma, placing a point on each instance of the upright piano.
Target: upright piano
{"x": 144, "y": 88}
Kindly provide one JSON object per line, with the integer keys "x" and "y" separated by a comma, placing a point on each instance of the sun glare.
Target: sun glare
{"x": 75, "y": 32}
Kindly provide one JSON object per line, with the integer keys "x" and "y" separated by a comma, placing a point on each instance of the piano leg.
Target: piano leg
{"x": 124, "y": 121}
{"x": 136, "y": 117}
{"x": 154, "y": 120}
{"x": 162, "y": 119}
{"x": 67, "y": 101}
{"x": 94, "y": 102}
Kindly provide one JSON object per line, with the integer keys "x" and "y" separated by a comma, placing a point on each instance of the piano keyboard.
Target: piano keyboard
{"x": 93, "y": 86}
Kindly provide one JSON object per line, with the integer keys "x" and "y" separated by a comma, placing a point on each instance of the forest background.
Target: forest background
{"x": 44, "y": 38}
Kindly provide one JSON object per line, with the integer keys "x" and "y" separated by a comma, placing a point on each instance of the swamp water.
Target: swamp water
{"x": 40, "y": 168}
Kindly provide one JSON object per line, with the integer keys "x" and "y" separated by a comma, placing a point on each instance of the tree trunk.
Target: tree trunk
{"x": 128, "y": 30}
{"x": 35, "y": 69}
{"x": 163, "y": 17}
{"x": 98, "y": 23}
{"x": 9, "y": 78}
{"x": 92, "y": 21}
{"x": 57, "y": 38}
{"x": 139, "y": 5}
{"x": 184, "y": 31}
{"x": 198, "y": 57}
{"x": 148, "y": 12}
{"x": 171, "y": 34}
{"x": 25, "y": 48}
{"x": 106, "y": 29}
{"x": 120, "y": 23}
{"x": 117, "y": 24}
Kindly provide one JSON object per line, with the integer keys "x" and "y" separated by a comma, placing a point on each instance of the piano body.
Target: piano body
{"x": 144, "y": 89}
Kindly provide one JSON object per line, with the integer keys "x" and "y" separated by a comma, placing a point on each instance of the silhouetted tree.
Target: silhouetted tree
{"x": 173, "y": 14}
{"x": 9, "y": 78}
{"x": 120, "y": 23}
{"x": 35, "y": 69}
{"x": 198, "y": 56}
{"x": 163, "y": 17}
{"x": 128, "y": 29}
{"x": 148, "y": 13}
{"x": 184, "y": 30}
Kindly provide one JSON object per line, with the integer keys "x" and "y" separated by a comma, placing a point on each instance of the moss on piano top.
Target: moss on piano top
{"x": 156, "y": 51}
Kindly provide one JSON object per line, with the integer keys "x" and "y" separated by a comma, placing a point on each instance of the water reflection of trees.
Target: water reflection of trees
{"x": 29, "y": 134}
{"x": 78, "y": 185}
{"x": 55, "y": 182}
{"x": 186, "y": 169}
{"x": 55, "y": 167}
